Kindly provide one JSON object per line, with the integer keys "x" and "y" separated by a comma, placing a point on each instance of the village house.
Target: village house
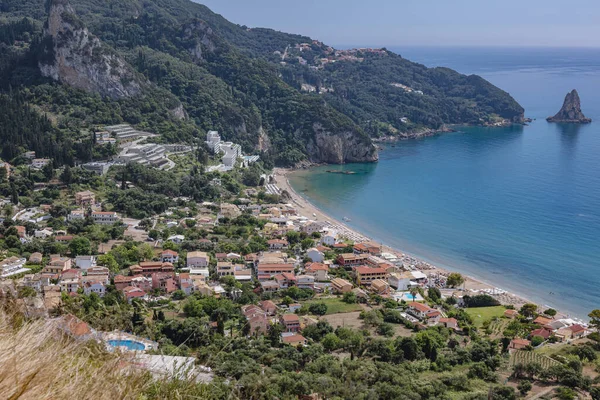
{"x": 450, "y": 323}
{"x": 132, "y": 292}
{"x": 85, "y": 262}
{"x": 39, "y": 163}
{"x": 294, "y": 307}
{"x": 369, "y": 248}
{"x": 305, "y": 281}
{"x": 351, "y": 260}
{"x": 424, "y": 312}
{"x": 63, "y": 238}
{"x": 105, "y": 217}
{"x": 318, "y": 270}
{"x": 511, "y": 314}
{"x": 43, "y": 233}
{"x": 285, "y": 280}
{"x": 21, "y": 231}
{"x": 85, "y": 199}
{"x": 366, "y": 275}
{"x": 36, "y": 258}
{"x": 315, "y": 255}
{"x": 293, "y": 339}
{"x": 340, "y": 285}
{"x": 311, "y": 227}
{"x": 94, "y": 287}
{"x": 97, "y": 274}
{"x": 328, "y": 238}
{"x": 401, "y": 280}
{"x": 541, "y": 332}
{"x": 121, "y": 281}
{"x": 267, "y": 271}
{"x": 147, "y": 268}
{"x": 268, "y": 307}
{"x": 76, "y": 215}
{"x": 577, "y": 330}
{"x": 164, "y": 281}
{"x": 224, "y": 269}
{"x": 379, "y": 286}
{"x": 169, "y": 256}
{"x": 277, "y": 244}
{"x": 257, "y": 319}
{"x": 57, "y": 264}
{"x": 518, "y": 344}
{"x": 70, "y": 280}
{"x": 269, "y": 286}
{"x": 12, "y": 266}
{"x": 290, "y": 322}
{"x": 230, "y": 211}
{"x": 542, "y": 320}
{"x": 197, "y": 259}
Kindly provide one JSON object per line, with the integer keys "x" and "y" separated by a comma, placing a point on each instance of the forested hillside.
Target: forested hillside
{"x": 207, "y": 73}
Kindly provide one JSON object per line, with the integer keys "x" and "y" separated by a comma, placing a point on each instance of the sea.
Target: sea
{"x": 517, "y": 207}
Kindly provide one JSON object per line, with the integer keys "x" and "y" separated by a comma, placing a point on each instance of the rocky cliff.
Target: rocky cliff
{"x": 340, "y": 148}
{"x": 77, "y": 58}
{"x": 570, "y": 111}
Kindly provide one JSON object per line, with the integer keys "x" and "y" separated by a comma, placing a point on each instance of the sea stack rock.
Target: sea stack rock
{"x": 570, "y": 111}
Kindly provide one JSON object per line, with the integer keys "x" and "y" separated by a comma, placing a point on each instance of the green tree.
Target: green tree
{"x": 595, "y": 319}
{"x": 318, "y": 308}
{"x": 80, "y": 246}
{"x": 529, "y": 310}
{"x": 108, "y": 261}
{"x": 455, "y": 279}
{"x": 349, "y": 297}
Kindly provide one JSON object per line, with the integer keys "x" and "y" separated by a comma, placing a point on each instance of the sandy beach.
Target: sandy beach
{"x": 471, "y": 286}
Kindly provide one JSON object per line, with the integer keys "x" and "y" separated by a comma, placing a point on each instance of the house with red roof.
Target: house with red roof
{"x": 518, "y": 344}
{"x": 578, "y": 331}
{"x": 541, "y": 332}
{"x": 450, "y": 323}
{"x": 366, "y": 275}
{"x": 290, "y": 322}
{"x": 169, "y": 256}
{"x": 511, "y": 313}
{"x": 424, "y": 312}
{"x": 268, "y": 307}
{"x": 132, "y": 292}
{"x": 293, "y": 340}
{"x": 278, "y": 244}
{"x": 285, "y": 280}
{"x": 318, "y": 270}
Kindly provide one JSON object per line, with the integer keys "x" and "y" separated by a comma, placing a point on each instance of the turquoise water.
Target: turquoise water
{"x": 129, "y": 344}
{"x": 518, "y": 206}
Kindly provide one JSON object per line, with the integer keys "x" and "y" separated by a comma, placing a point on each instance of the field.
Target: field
{"x": 336, "y": 306}
{"x": 526, "y": 357}
{"x": 498, "y": 326}
{"x": 482, "y": 314}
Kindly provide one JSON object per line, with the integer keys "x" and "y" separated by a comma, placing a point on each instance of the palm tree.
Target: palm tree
{"x": 414, "y": 292}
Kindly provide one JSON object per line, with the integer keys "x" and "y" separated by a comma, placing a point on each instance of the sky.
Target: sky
{"x": 554, "y": 23}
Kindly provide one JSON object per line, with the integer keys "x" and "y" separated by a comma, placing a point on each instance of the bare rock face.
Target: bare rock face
{"x": 340, "y": 148}
{"x": 77, "y": 58}
{"x": 201, "y": 37}
{"x": 570, "y": 111}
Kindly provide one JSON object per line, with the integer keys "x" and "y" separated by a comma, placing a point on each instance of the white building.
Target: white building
{"x": 12, "y": 266}
{"x": 94, "y": 287}
{"x": 105, "y": 217}
{"x": 176, "y": 238}
{"x": 43, "y": 233}
{"x": 76, "y": 215}
{"x": 40, "y": 162}
{"x": 315, "y": 255}
{"x": 329, "y": 238}
{"x": 85, "y": 262}
{"x": 212, "y": 139}
{"x": 232, "y": 153}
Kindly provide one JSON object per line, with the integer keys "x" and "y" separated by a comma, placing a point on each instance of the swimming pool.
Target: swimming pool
{"x": 128, "y": 344}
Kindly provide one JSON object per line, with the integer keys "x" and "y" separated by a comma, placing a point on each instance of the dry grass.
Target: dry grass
{"x": 38, "y": 362}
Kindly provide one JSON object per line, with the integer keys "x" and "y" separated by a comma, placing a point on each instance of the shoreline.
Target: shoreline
{"x": 472, "y": 285}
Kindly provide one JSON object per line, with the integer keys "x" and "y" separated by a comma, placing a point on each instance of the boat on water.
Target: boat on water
{"x": 346, "y": 219}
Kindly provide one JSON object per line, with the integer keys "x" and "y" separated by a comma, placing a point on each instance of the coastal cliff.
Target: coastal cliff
{"x": 73, "y": 56}
{"x": 340, "y": 148}
{"x": 570, "y": 111}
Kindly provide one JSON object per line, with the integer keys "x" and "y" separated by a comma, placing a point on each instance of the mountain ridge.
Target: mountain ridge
{"x": 231, "y": 78}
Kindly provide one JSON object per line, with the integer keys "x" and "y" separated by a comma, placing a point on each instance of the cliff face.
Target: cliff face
{"x": 340, "y": 148}
{"x": 570, "y": 111}
{"x": 77, "y": 58}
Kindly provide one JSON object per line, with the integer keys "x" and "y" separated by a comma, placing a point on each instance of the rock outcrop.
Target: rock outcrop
{"x": 570, "y": 111}
{"x": 77, "y": 58}
{"x": 340, "y": 148}
{"x": 201, "y": 38}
